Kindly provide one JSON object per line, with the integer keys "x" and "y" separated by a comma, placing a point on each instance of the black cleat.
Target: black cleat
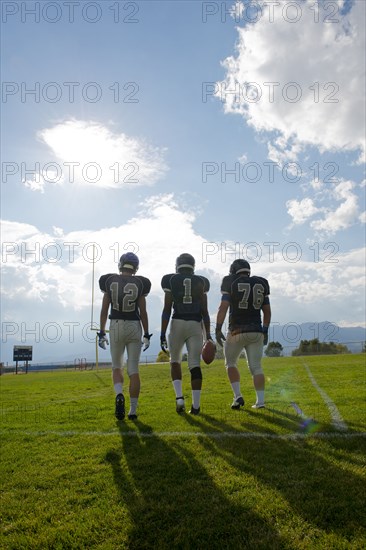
{"x": 120, "y": 407}
{"x": 132, "y": 416}
{"x": 237, "y": 403}
{"x": 179, "y": 404}
{"x": 195, "y": 411}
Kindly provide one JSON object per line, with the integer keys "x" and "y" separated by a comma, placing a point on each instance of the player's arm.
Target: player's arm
{"x": 167, "y": 310}
{"x": 104, "y": 311}
{"x": 266, "y": 308}
{"x": 223, "y": 307}
{"x": 141, "y": 302}
{"x": 220, "y": 318}
{"x": 103, "y": 340}
{"x": 165, "y": 317}
{"x": 206, "y": 317}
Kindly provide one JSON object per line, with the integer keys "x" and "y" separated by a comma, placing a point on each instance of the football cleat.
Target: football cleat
{"x": 237, "y": 403}
{"x": 239, "y": 266}
{"x": 179, "y": 404}
{"x": 129, "y": 261}
{"x": 120, "y": 407}
{"x": 194, "y": 411}
{"x": 132, "y": 416}
{"x": 258, "y": 406}
{"x": 185, "y": 261}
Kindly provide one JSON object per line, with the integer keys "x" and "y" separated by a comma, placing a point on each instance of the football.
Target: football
{"x": 208, "y": 351}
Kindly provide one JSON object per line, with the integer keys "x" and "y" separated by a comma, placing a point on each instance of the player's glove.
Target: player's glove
{"x": 163, "y": 343}
{"x": 220, "y": 338}
{"x": 146, "y": 341}
{"x": 265, "y": 335}
{"x": 103, "y": 340}
{"x": 209, "y": 337}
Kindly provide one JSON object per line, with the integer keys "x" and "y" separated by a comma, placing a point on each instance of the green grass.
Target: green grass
{"x": 72, "y": 477}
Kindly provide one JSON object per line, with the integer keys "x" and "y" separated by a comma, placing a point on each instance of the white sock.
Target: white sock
{"x": 260, "y": 397}
{"x": 236, "y": 389}
{"x": 118, "y": 388}
{"x": 133, "y": 405}
{"x": 178, "y": 388}
{"x": 196, "y": 397}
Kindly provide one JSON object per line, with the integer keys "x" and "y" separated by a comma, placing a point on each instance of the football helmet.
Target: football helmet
{"x": 185, "y": 261}
{"x": 239, "y": 266}
{"x": 128, "y": 261}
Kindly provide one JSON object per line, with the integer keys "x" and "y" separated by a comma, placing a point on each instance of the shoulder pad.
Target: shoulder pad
{"x": 165, "y": 281}
{"x": 103, "y": 281}
{"x": 146, "y": 284}
{"x": 206, "y": 283}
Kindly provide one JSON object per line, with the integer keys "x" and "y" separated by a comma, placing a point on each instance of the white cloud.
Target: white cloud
{"x": 237, "y": 11}
{"x": 307, "y": 83}
{"x": 60, "y": 264}
{"x": 332, "y": 289}
{"x": 333, "y": 217}
{"x": 345, "y": 215}
{"x": 51, "y": 274}
{"x": 301, "y": 211}
{"x": 45, "y": 177}
{"x": 58, "y": 231}
{"x": 11, "y": 232}
{"x": 47, "y": 279}
{"x": 90, "y": 154}
{"x": 37, "y": 183}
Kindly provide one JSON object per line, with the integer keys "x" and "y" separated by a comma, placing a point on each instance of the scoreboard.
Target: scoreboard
{"x": 22, "y": 353}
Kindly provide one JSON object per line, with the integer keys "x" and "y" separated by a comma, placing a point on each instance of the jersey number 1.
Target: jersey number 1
{"x": 187, "y": 298}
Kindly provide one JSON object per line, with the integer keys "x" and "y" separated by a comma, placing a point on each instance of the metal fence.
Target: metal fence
{"x": 80, "y": 364}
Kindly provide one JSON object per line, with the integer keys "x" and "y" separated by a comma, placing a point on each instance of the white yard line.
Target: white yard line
{"x": 337, "y": 420}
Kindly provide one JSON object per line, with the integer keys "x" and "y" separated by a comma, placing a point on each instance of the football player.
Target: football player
{"x": 247, "y": 298}
{"x": 125, "y": 296}
{"x": 186, "y": 295}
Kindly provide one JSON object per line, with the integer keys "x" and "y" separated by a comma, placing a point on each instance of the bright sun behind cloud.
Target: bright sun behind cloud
{"x": 90, "y": 154}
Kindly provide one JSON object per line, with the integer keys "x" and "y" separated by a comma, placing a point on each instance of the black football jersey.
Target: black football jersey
{"x": 247, "y": 295}
{"x": 124, "y": 292}
{"x": 187, "y": 290}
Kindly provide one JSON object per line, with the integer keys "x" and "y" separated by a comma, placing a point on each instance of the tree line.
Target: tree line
{"x": 307, "y": 347}
{"x": 275, "y": 349}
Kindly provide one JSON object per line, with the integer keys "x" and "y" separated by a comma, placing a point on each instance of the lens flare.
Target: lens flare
{"x": 307, "y": 425}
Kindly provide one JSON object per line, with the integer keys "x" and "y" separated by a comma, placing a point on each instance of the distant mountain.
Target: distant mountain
{"x": 291, "y": 334}
{"x": 288, "y": 335}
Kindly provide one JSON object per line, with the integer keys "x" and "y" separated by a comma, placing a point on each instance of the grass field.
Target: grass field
{"x": 289, "y": 476}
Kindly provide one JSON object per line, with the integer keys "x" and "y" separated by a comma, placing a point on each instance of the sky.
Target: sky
{"x": 221, "y": 129}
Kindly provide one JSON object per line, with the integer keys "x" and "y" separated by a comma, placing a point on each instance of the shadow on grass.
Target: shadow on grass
{"x": 102, "y": 381}
{"x": 326, "y": 495}
{"x": 173, "y": 502}
{"x": 264, "y": 421}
